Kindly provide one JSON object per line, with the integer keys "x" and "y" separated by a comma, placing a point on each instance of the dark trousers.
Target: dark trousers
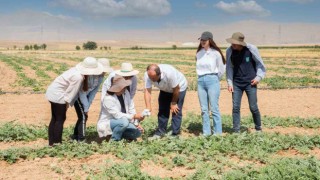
{"x": 251, "y": 92}
{"x": 80, "y": 127}
{"x": 164, "y": 113}
{"x": 58, "y": 116}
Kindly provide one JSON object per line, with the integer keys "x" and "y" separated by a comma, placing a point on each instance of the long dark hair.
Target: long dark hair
{"x": 213, "y": 45}
{"x": 85, "y": 83}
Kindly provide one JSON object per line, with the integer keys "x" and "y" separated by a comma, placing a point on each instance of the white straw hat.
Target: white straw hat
{"x": 106, "y": 65}
{"x": 126, "y": 70}
{"x": 118, "y": 83}
{"x": 90, "y": 66}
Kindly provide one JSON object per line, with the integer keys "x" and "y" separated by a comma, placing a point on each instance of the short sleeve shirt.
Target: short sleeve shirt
{"x": 170, "y": 78}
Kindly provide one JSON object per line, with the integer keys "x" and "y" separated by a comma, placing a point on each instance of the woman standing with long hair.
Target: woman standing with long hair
{"x": 210, "y": 68}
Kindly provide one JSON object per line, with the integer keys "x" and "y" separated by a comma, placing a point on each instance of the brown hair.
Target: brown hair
{"x": 213, "y": 45}
{"x": 85, "y": 83}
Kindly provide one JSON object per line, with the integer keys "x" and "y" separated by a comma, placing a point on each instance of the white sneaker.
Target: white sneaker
{"x": 154, "y": 137}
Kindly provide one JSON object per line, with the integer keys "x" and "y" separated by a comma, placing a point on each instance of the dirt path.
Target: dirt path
{"x": 54, "y": 168}
{"x": 291, "y": 130}
{"x": 35, "y": 109}
{"x": 21, "y": 144}
{"x": 8, "y": 77}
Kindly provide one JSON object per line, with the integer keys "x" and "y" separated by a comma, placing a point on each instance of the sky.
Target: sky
{"x": 160, "y": 21}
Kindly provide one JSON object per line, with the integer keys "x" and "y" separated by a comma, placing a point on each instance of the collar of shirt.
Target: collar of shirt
{"x": 207, "y": 51}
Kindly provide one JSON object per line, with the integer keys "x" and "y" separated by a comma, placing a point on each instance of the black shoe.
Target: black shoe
{"x": 73, "y": 137}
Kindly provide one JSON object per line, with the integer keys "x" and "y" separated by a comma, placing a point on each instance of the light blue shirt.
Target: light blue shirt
{"x": 86, "y": 97}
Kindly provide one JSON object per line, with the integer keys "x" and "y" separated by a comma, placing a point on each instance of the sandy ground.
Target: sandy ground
{"x": 10, "y": 77}
{"x": 35, "y": 109}
{"x": 55, "y": 168}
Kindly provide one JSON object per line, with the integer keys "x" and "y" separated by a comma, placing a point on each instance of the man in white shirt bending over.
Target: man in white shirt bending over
{"x": 173, "y": 86}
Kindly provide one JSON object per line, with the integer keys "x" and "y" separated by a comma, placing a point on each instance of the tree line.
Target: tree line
{"x": 91, "y": 45}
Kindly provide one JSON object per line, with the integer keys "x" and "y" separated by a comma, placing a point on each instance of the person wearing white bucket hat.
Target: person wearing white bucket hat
{"x": 127, "y": 72}
{"x": 63, "y": 91}
{"x": 89, "y": 89}
{"x": 118, "y": 113}
{"x": 245, "y": 69}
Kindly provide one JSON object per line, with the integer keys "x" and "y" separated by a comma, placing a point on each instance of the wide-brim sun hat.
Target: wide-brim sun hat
{"x": 90, "y": 66}
{"x": 126, "y": 70}
{"x": 118, "y": 83}
{"x": 106, "y": 65}
{"x": 237, "y": 38}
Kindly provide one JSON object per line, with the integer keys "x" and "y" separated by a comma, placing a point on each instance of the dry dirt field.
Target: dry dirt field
{"x": 282, "y": 100}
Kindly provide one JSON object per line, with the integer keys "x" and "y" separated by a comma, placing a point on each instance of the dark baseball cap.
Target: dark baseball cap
{"x": 206, "y": 35}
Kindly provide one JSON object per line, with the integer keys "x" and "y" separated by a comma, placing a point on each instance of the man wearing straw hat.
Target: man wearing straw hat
{"x": 245, "y": 69}
{"x": 173, "y": 87}
{"x": 127, "y": 72}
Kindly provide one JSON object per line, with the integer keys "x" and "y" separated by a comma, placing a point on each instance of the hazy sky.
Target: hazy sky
{"x": 159, "y": 20}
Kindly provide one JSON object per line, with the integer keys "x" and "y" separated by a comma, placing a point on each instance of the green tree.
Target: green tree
{"x": 14, "y": 47}
{"x": 90, "y": 45}
{"x": 35, "y": 47}
{"x": 78, "y": 48}
{"x": 43, "y": 46}
{"x": 174, "y": 46}
{"x": 30, "y": 47}
{"x": 26, "y": 47}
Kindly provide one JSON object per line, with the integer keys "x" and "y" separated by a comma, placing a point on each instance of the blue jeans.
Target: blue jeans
{"x": 251, "y": 92}
{"x": 121, "y": 128}
{"x": 209, "y": 93}
{"x": 164, "y": 100}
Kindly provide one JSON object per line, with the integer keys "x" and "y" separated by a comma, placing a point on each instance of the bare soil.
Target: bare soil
{"x": 55, "y": 168}
{"x": 8, "y": 77}
{"x": 35, "y": 109}
{"x": 154, "y": 170}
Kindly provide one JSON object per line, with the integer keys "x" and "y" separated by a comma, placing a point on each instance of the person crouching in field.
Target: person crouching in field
{"x": 63, "y": 92}
{"x": 118, "y": 113}
{"x": 88, "y": 91}
{"x": 210, "y": 67}
{"x": 173, "y": 87}
{"x": 245, "y": 69}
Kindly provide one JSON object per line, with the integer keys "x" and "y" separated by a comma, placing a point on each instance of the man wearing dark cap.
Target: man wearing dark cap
{"x": 245, "y": 69}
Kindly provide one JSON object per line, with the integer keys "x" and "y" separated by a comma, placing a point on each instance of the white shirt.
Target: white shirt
{"x": 65, "y": 87}
{"x": 111, "y": 109}
{"x": 170, "y": 78}
{"x": 210, "y": 62}
{"x": 107, "y": 84}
